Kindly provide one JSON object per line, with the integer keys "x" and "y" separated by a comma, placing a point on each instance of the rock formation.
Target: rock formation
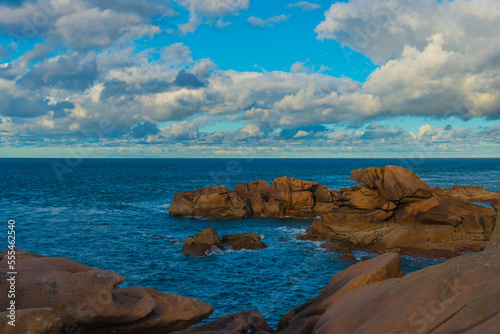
{"x": 461, "y": 295}
{"x": 33, "y": 320}
{"x": 244, "y": 241}
{"x": 304, "y": 318}
{"x": 213, "y": 202}
{"x": 208, "y": 240}
{"x": 392, "y": 209}
{"x": 198, "y": 245}
{"x": 54, "y": 292}
{"x": 494, "y": 242}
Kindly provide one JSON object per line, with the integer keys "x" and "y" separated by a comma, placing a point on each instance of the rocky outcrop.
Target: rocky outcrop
{"x": 461, "y": 295}
{"x": 213, "y": 202}
{"x": 241, "y": 322}
{"x": 391, "y": 210}
{"x": 303, "y": 319}
{"x": 87, "y": 299}
{"x": 208, "y": 240}
{"x": 470, "y": 193}
{"x": 198, "y": 245}
{"x": 394, "y": 209}
{"x": 244, "y": 241}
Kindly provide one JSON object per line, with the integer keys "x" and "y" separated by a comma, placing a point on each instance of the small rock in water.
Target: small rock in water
{"x": 348, "y": 257}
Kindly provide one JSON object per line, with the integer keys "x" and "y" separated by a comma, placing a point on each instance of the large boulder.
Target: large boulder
{"x": 199, "y": 244}
{"x": 244, "y": 241}
{"x": 171, "y": 313}
{"x": 88, "y": 298}
{"x": 461, "y": 295}
{"x": 304, "y": 318}
{"x": 257, "y": 192}
{"x": 213, "y": 202}
{"x": 237, "y": 323}
{"x": 393, "y": 182}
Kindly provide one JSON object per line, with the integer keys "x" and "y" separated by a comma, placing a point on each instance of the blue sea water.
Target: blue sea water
{"x": 112, "y": 214}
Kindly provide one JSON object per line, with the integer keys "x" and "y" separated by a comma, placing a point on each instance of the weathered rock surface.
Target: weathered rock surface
{"x": 392, "y": 209}
{"x": 88, "y": 298}
{"x": 461, "y": 295}
{"x": 237, "y": 323}
{"x": 470, "y": 193}
{"x": 494, "y": 242}
{"x": 304, "y": 318}
{"x": 33, "y": 321}
{"x": 244, "y": 241}
{"x": 198, "y": 245}
{"x": 213, "y": 202}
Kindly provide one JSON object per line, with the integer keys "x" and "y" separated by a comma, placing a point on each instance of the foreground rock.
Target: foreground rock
{"x": 33, "y": 321}
{"x": 494, "y": 242}
{"x": 303, "y": 319}
{"x": 88, "y": 301}
{"x": 208, "y": 240}
{"x": 461, "y": 295}
{"x": 391, "y": 210}
{"x": 241, "y": 322}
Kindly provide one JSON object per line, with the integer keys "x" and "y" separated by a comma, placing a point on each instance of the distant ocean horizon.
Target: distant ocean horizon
{"x": 111, "y": 213}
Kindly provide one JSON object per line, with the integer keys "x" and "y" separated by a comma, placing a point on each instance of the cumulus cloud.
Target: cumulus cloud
{"x": 86, "y": 75}
{"x": 81, "y": 24}
{"x": 269, "y": 22}
{"x": 382, "y": 29}
{"x": 304, "y": 5}
{"x": 436, "y": 58}
{"x": 208, "y": 11}
{"x": 99, "y": 28}
{"x": 299, "y": 67}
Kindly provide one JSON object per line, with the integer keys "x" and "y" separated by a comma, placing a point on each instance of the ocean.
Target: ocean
{"x": 112, "y": 214}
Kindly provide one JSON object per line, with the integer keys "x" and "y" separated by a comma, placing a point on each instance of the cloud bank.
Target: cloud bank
{"x": 86, "y": 76}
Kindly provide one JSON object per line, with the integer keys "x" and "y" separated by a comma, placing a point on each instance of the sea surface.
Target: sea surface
{"x": 112, "y": 214}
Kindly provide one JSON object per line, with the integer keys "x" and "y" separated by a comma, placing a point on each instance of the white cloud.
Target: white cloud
{"x": 433, "y": 73}
{"x": 258, "y": 22}
{"x": 299, "y": 67}
{"x": 177, "y": 53}
{"x": 304, "y": 5}
{"x": 381, "y": 29}
{"x": 301, "y": 134}
{"x": 201, "y": 11}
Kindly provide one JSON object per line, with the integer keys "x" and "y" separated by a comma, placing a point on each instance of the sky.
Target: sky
{"x": 249, "y": 78}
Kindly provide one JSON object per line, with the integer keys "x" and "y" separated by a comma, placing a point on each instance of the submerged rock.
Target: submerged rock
{"x": 88, "y": 301}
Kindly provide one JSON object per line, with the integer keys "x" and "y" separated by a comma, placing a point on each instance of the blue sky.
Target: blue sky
{"x": 249, "y": 78}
